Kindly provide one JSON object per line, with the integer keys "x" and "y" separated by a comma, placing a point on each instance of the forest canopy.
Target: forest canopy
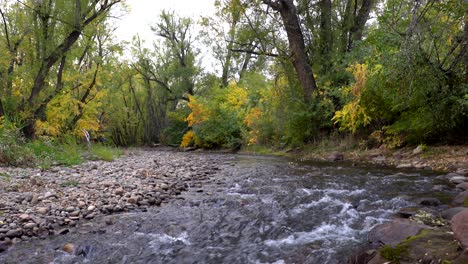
{"x": 287, "y": 73}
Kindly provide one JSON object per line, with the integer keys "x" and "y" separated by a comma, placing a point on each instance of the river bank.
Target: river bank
{"x": 38, "y": 203}
{"x": 434, "y": 158}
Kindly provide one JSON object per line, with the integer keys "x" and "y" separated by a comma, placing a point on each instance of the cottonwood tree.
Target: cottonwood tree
{"x": 50, "y": 31}
{"x": 290, "y": 19}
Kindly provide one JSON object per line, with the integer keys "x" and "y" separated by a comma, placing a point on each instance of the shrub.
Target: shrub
{"x": 12, "y": 149}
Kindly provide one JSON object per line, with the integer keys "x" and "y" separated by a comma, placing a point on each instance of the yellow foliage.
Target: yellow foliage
{"x": 198, "y": 114}
{"x": 251, "y": 119}
{"x": 46, "y": 128}
{"x": 188, "y": 139}
{"x": 353, "y": 115}
{"x": 237, "y": 96}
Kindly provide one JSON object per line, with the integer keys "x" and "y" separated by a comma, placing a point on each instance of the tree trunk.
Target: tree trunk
{"x": 290, "y": 19}
{"x": 326, "y": 35}
{"x": 346, "y": 25}
{"x": 227, "y": 61}
{"x": 360, "y": 20}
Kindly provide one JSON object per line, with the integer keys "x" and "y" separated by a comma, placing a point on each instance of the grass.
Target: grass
{"x": 106, "y": 153}
{"x": 45, "y": 153}
{"x": 66, "y": 152}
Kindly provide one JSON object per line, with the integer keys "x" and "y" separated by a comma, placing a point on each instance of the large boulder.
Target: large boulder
{"x": 392, "y": 233}
{"x": 450, "y": 213}
{"x": 461, "y": 198}
{"x": 460, "y": 228}
{"x": 428, "y": 246}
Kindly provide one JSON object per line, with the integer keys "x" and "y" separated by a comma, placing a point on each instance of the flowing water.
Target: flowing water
{"x": 254, "y": 210}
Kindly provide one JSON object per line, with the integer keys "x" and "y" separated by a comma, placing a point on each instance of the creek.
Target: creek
{"x": 254, "y": 209}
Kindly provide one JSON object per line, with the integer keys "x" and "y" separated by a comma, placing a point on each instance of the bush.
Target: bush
{"x": 12, "y": 149}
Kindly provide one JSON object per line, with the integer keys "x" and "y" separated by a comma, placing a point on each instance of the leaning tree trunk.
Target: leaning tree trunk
{"x": 290, "y": 19}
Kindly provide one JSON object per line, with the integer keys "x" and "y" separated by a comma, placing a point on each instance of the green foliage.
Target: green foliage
{"x": 12, "y": 149}
{"x": 218, "y": 122}
{"x": 177, "y": 126}
{"x": 69, "y": 152}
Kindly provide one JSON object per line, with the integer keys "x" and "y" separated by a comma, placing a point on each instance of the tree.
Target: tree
{"x": 75, "y": 17}
{"x": 288, "y": 13}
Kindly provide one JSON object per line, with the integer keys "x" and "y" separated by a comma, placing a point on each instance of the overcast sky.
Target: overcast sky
{"x": 144, "y": 12}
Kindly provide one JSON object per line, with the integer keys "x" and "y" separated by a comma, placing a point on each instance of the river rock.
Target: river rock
{"x": 42, "y": 210}
{"x": 462, "y": 171}
{"x": 460, "y": 227}
{"x": 392, "y": 233}
{"x": 3, "y": 246}
{"x": 24, "y": 217}
{"x": 461, "y": 198}
{"x": 35, "y": 199}
{"x": 408, "y": 212}
{"x": 404, "y": 166}
{"x": 463, "y": 186}
{"x": 458, "y": 179}
{"x": 418, "y": 150}
{"x": 429, "y": 201}
{"x": 362, "y": 257}
{"x": 336, "y": 156}
{"x": 119, "y": 191}
{"x": 14, "y": 233}
{"x": 49, "y": 195}
{"x": 30, "y": 225}
{"x": 450, "y": 213}
{"x": 69, "y": 248}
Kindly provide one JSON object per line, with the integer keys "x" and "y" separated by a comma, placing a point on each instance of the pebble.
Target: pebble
{"x": 42, "y": 210}
{"x": 24, "y": 217}
{"x": 48, "y": 195}
{"x": 69, "y": 248}
{"x": 30, "y": 225}
{"x": 133, "y": 182}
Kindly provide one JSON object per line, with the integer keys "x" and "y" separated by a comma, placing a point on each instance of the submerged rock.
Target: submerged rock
{"x": 429, "y": 201}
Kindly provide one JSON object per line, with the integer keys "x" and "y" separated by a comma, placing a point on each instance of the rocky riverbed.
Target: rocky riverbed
{"x": 237, "y": 209}
{"x": 36, "y": 203}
